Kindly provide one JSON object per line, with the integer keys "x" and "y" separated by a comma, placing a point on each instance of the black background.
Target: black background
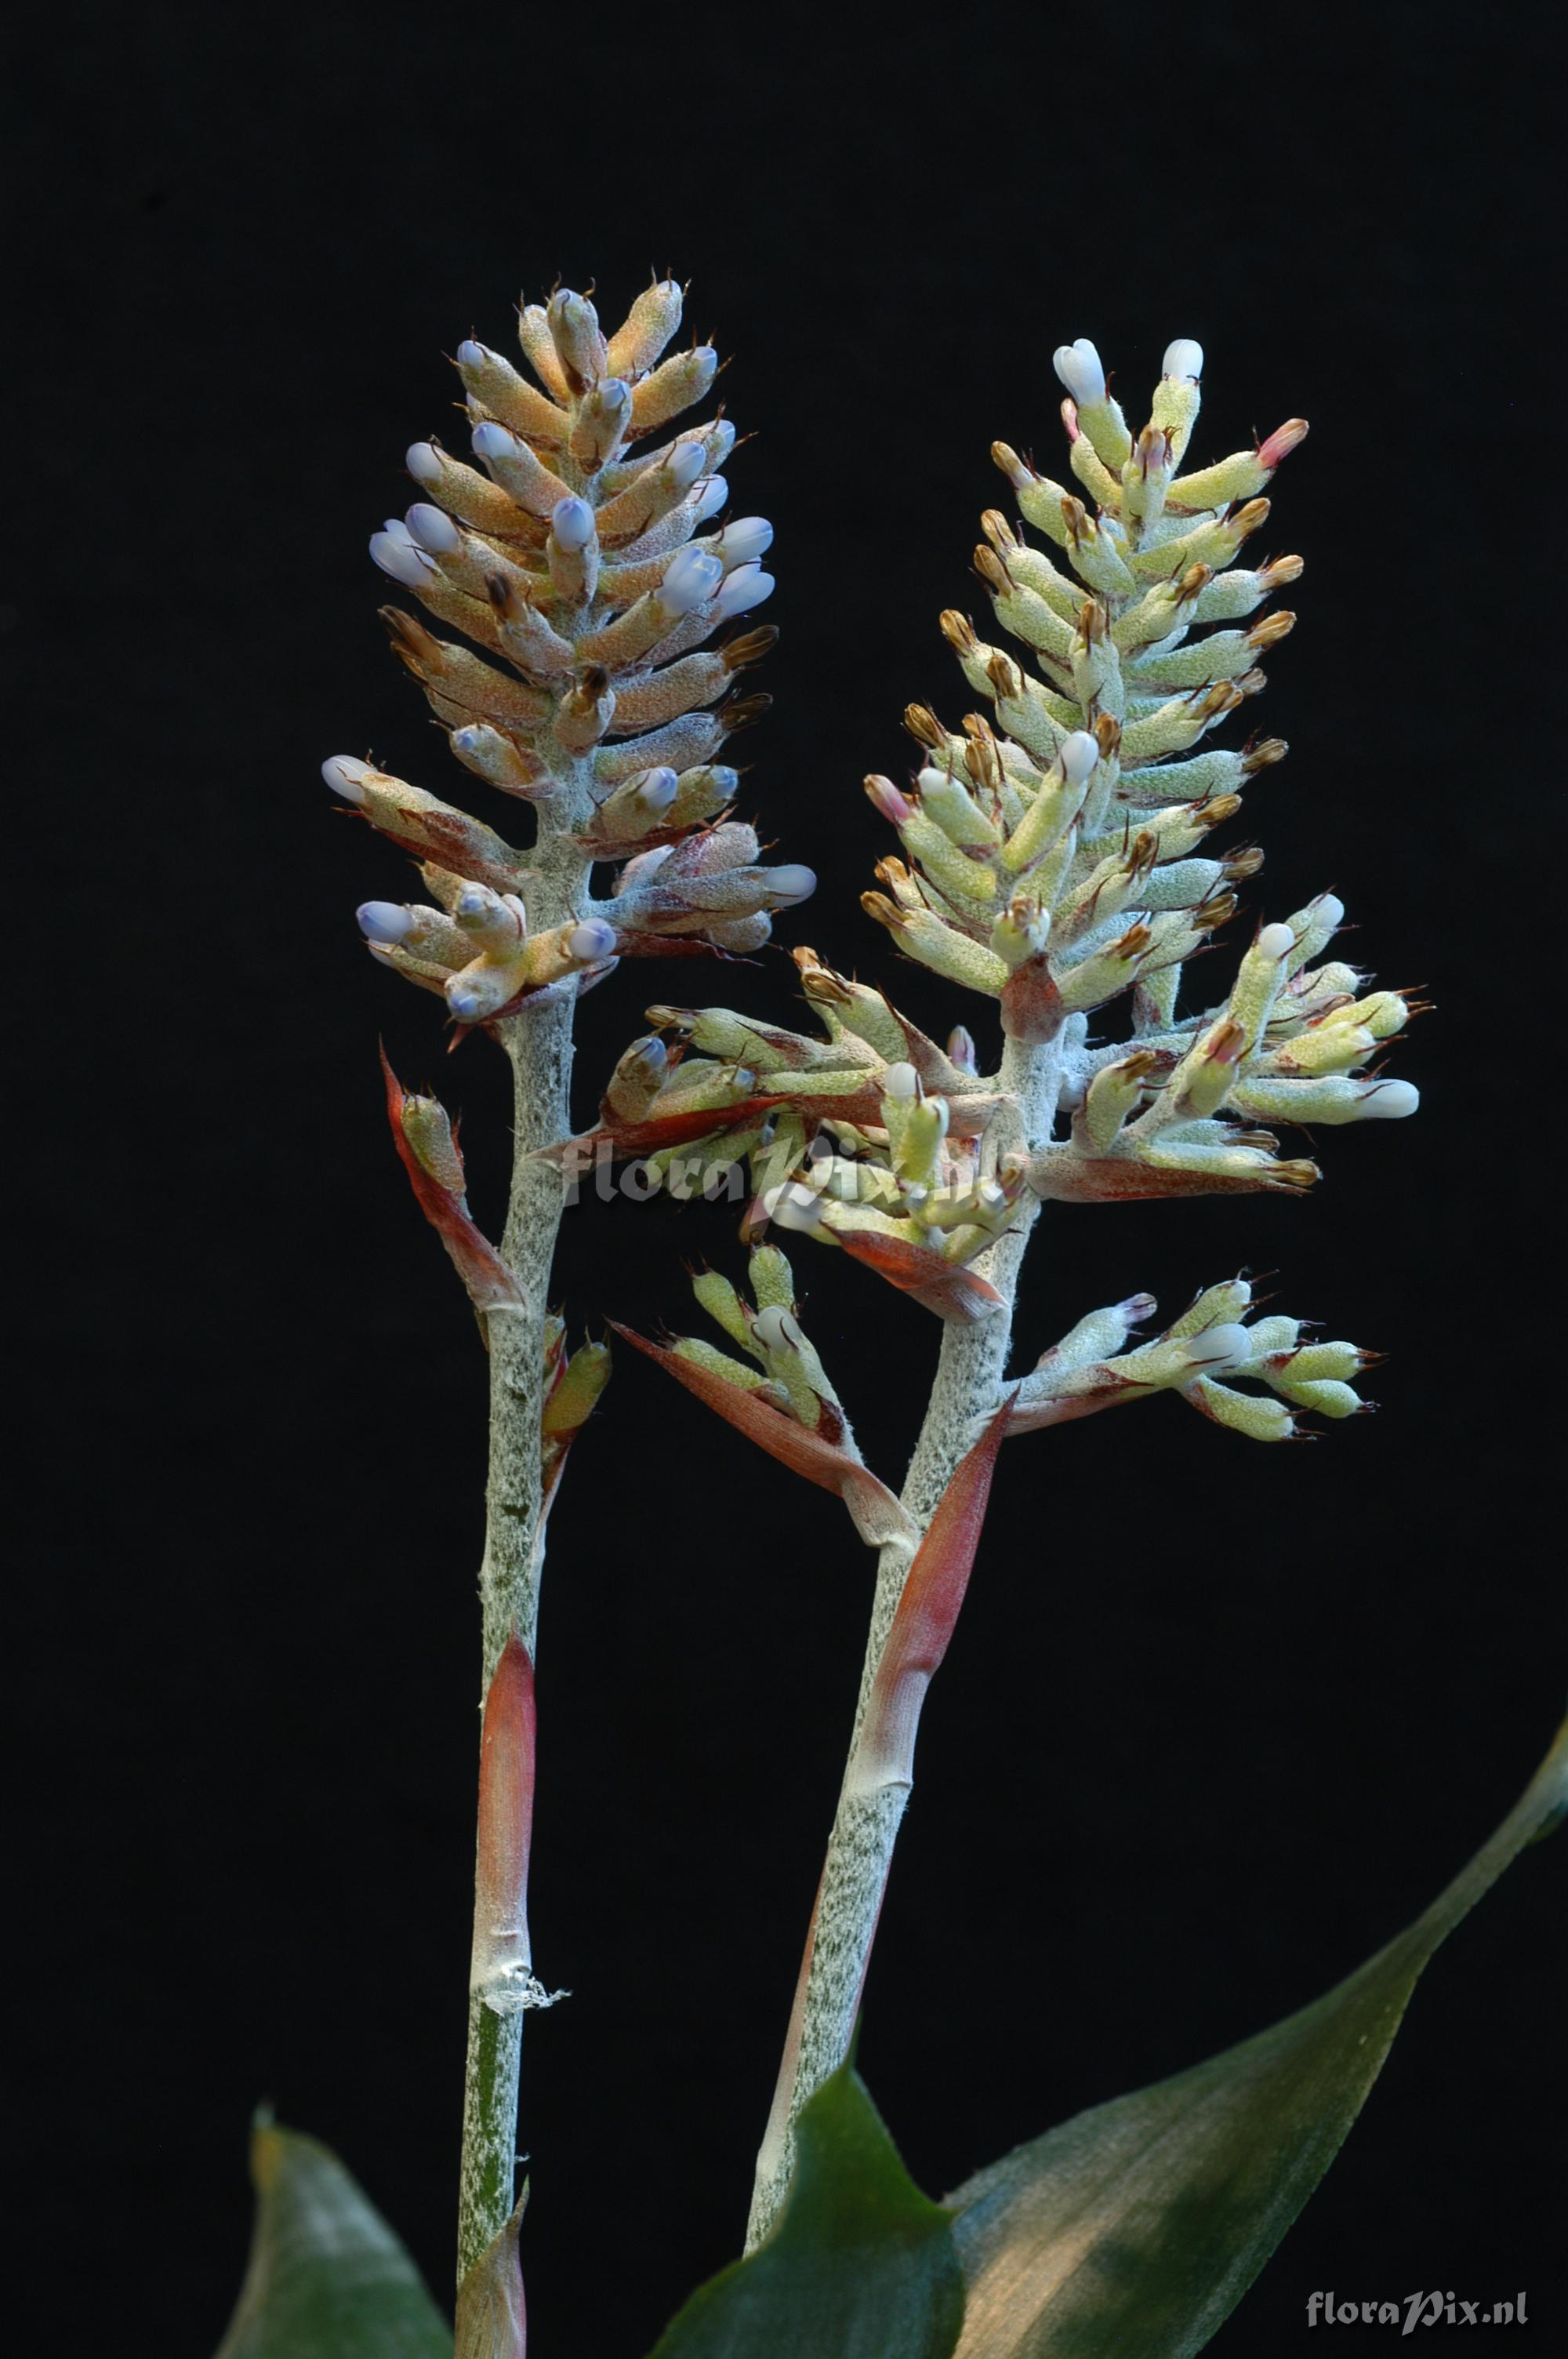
{"x": 1218, "y": 1719}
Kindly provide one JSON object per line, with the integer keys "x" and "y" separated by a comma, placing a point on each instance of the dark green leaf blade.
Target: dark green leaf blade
{"x": 328, "y": 2279}
{"x": 860, "y": 2265}
{"x": 1140, "y": 2226}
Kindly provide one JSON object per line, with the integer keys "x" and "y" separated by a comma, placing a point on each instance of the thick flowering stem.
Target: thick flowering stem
{"x": 969, "y": 1384}
{"x": 539, "y": 1043}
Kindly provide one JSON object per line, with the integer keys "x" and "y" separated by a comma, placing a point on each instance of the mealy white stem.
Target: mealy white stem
{"x": 539, "y": 1044}
{"x": 968, "y": 1388}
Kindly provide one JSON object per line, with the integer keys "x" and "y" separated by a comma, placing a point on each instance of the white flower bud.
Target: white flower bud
{"x": 1329, "y": 912}
{"x": 347, "y": 778}
{"x": 710, "y": 499}
{"x": 684, "y": 465}
{"x": 1275, "y": 941}
{"x": 656, "y": 789}
{"x": 690, "y": 579}
{"x": 744, "y": 540}
{"x": 1079, "y": 367}
{"x": 794, "y": 882}
{"x": 571, "y": 521}
{"x": 492, "y": 440}
{"x": 589, "y": 942}
{"x": 472, "y": 354}
{"x": 423, "y": 463}
{"x": 384, "y": 921}
{"x": 745, "y": 588}
{"x": 794, "y": 1206}
{"x": 1183, "y": 358}
{"x": 432, "y": 529}
{"x": 901, "y": 1082}
{"x": 774, "y": 1329}
{"x": 1220, "y": 1347}
{"x": 397, "y": 554}
{"x": 1077, "y": 755}
{"x": 1389, "y": 1100}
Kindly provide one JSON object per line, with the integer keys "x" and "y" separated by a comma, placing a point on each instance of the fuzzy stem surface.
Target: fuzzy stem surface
{"x": 968, "y": 1387}
{"x": 539, "y": 1043}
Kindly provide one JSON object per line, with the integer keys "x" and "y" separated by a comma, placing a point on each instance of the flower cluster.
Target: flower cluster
{"x": 1203, "y": 1356}
{"x": 779, "y": 1395}
{"x": 1056, "y": 859}
{"x": 577, "y": 567}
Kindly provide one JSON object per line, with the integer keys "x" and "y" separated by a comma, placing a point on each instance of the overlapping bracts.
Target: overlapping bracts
{"x": 589, "y": 576}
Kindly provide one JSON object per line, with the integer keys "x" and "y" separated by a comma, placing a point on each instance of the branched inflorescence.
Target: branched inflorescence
{"x": 1056, "y": 857}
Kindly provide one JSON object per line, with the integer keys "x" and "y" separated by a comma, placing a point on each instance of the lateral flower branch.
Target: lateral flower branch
{"x": 1056, "y": 857}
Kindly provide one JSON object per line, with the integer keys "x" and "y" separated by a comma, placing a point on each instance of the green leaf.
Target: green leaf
{"x": 1139, "y": 2226}
{"x": 859, "y": 2265}
{"x": 327, "y": 2279}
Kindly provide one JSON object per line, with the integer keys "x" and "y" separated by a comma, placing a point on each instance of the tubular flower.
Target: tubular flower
{"x": 580, "y": 555}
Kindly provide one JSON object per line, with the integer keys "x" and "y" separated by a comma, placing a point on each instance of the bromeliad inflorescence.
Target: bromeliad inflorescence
{"x": 1057, "y": 856}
